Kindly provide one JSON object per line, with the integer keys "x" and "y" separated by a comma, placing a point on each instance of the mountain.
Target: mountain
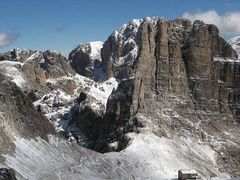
{"x": 157, "y": 96}
{"x": 86, "y": 59}
{"x": 235, "y": 42}
{"x": 18, "y": 117}
{"x": 181, "y": 84}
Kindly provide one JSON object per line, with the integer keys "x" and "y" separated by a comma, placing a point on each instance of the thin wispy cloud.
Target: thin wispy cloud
{"x": 228, "y": 23}
{"x": 7, "y": 39}
{"x": 60, "y": 28}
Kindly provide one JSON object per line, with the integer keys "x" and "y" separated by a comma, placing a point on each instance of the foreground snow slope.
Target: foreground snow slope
{"x": 147, "y": 157}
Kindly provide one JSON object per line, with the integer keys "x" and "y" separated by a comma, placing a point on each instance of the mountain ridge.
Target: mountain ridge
{"x": 168, "y": 85}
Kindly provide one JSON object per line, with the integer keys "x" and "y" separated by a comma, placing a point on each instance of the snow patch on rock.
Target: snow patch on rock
{"x": 222, "y": 59}
{"x": 33, "y": 56}
{"x": 19, "y": 52}
{"x": 101, "y": 91}
{"x": 54, "y": 105}
{"x": 57, "y": 103}
{"x": 96, "y": 49}
{"x": 128, "y": 36}
{"x": 235, "y": 42}
{"x": 91, "y": 48}
{"x": 11, "y": 70}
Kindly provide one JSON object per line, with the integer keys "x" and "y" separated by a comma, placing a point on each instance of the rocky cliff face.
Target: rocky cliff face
{"x": 18, "y": 117}
{"x": 57, "y": 92}
{"x": 177, "y": 79}
{"x": 33, "y": 68}
{"x": 86, "y": 59}
{"x": 166, "y": 92}
{"x": 171, "y": 57}
{"x": 235, "y": 43}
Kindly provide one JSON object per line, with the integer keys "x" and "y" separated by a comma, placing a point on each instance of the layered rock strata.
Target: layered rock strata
{"x": 177, "y": 79}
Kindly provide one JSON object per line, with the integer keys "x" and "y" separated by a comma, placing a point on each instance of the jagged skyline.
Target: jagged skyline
{"x": 62, "y": 25}
{"x": 158, "y": 100}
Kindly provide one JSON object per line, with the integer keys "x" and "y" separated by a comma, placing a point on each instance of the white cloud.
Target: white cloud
{"x": 3, "y": 39}
{"x": 228, "y": 24}
{"x": 6, "y": 39}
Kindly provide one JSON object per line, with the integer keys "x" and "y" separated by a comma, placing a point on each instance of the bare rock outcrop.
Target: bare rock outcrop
{"x": 46, "y": 65}
{"x": 37, "y": 65}
{"x": 172, "y": 82}
{"x": 86, "y": 59}
{"x": 18, "y": 117}
{"x": 31, "y": 70}
{"x": 7, "y": 174}
{"x": 173, "y": 57}
{"x": 17, "y": 54}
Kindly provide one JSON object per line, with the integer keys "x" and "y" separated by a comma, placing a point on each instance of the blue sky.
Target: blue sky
{"x": 63, "y": 24}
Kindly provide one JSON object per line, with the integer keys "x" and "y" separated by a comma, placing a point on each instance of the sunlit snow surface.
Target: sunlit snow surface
{"x": 91, "y": 48}
{"x": 11, "y": 70}
{"x": 147, "y": 157}
{"x": 128, "y": 36}
{"x": 226, "y": 60}
{"x": 98, "y": 92}
{"x": 235, "y": 42}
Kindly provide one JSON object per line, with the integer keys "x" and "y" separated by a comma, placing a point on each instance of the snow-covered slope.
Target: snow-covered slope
{"x": 12, "y": 69}
{"x": 163, "y": 157}
{"x": 147, "y": 157}
{"x": 86, "y": 59}
{"x": 92, "y": 48}
{"x": 58, "y": 102}
{"x": 235, "y": 42}
{"x": 58, "y": 90}
{"x": 128, "y": 38}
